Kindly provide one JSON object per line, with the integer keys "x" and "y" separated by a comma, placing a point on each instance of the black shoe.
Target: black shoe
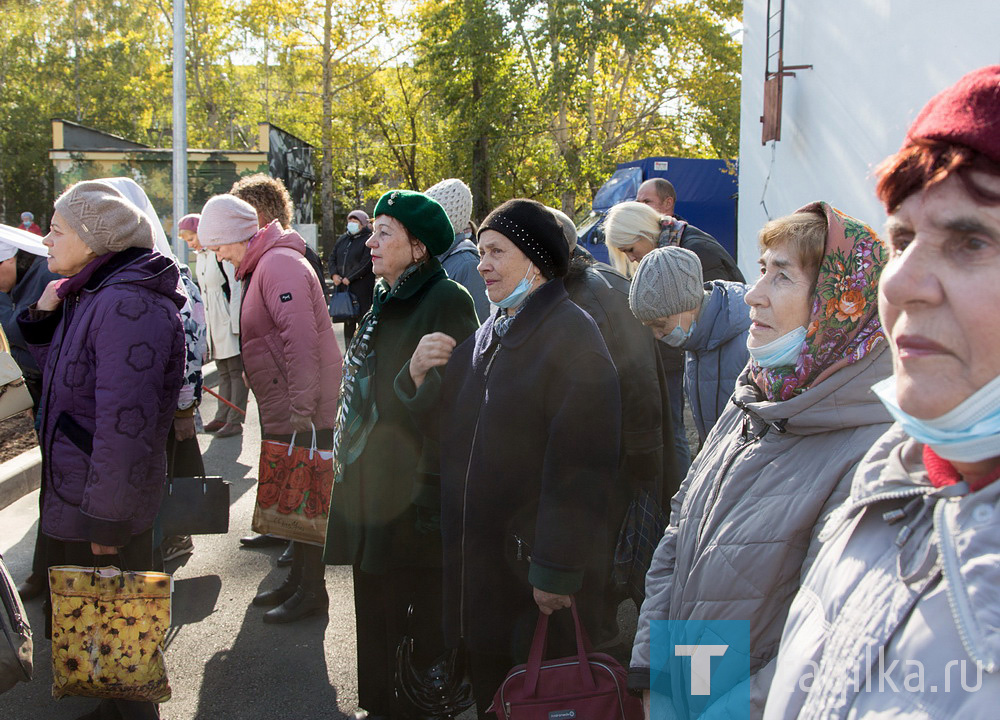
{"x": 300, "y": 605}
{"x": 285, "y": 559}
{"x": 261, "y": 541}
{"x": 273, "y": 598}
{"x": 32, "y": 587}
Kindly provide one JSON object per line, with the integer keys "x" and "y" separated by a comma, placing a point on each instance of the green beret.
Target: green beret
{"x": 421, "y": 215}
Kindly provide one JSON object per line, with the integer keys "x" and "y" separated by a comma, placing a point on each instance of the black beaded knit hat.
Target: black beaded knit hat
{"x": 535, "y": 231}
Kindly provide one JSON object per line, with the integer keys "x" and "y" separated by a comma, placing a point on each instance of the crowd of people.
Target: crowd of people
{"x": 507, "y": 404}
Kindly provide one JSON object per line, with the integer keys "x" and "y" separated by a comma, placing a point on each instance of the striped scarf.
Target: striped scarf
{"x": 356, "y": 411}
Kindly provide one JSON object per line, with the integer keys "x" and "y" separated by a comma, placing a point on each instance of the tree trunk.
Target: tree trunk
{"x": 482, "y": 192}
{"x": 327, "y": 234}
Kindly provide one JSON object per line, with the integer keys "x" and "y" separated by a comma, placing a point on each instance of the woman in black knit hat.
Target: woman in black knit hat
{"x": 529, "y": 429}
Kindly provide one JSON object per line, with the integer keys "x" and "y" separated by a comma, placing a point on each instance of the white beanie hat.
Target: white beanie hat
{"x": 456, "y": 199}
{"x": 667, "y": 282}
{"x": 226, "y": 219}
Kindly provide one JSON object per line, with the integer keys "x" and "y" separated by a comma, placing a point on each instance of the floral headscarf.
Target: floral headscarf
{"x": 844, "y": 325}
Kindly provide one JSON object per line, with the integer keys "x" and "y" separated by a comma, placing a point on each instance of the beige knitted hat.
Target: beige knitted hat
{"x": 104, "y": 218}
{"x": 456, "y": 199}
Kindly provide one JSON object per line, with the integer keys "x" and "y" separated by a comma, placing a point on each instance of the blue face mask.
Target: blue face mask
{"x": 969, "y": 433}
{"x": 518, "y": 294}
{"x": 678, "y": 336}
{"x": 781, "y": 352}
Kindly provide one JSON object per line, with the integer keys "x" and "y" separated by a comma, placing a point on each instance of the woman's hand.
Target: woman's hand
{"x": 548, "y": 603}
{"x": 336, "y": 279}
{"x": 433, "y": 350}
{"x": 645, "y": 703}
{"x": 300, "y": 423}
{"x": 50, "y": 299}
{"x": 184, "y": 428}
{"x": 98, "y": 549}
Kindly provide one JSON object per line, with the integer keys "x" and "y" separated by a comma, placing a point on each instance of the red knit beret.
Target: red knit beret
{"x": 967, "y": 113}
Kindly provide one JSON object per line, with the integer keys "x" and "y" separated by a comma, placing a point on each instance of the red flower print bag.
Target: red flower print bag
{"x": 293, "y": 491}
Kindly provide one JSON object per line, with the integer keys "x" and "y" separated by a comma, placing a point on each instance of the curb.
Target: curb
{"x": 20, "y": 476}
{"x": 23, "y": 474}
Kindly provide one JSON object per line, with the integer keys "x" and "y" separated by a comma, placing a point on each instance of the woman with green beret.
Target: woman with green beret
{"x": 385, "y": 509}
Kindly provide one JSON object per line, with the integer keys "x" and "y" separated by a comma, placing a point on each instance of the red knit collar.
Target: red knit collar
{"x": 941, "y": 472}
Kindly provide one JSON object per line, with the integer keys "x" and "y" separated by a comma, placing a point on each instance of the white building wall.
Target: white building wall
{"x": 875, "y": 65}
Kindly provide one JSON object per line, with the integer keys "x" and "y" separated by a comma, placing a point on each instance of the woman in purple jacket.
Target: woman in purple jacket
{"x": 110, "y": 344}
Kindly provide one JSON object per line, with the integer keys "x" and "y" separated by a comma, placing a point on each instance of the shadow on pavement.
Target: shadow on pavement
{"x": 276, "y": 674}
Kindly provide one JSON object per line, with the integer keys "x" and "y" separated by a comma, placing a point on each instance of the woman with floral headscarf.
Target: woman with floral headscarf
{"x": 744, "y": 524}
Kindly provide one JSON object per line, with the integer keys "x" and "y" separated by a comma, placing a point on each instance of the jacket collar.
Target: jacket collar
{"x": 268, "y": 237}
{"x": 426, "y": 273}
{"x": 536, "y": 309}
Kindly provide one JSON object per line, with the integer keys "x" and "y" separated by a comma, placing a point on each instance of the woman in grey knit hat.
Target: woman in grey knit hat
{"x": 708, "y": 321}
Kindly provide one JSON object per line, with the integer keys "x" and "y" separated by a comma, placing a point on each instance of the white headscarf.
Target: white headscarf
{"x": 13, "y": 239}
{"x": 137, "y": 196}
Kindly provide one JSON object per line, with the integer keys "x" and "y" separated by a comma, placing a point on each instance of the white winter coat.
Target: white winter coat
{"x": 222, "y": 315}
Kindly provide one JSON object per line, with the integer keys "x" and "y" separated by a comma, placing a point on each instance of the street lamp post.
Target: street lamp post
{"x": 180, "y": 128}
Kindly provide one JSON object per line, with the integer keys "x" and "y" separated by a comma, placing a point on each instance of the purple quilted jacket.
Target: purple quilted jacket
{"x": 112, "y": 359}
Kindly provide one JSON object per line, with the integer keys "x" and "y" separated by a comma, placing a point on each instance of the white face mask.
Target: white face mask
{"x": 353, "y": 227}
{"x": 781, "y": 352}
{"x": 969, "y": 433}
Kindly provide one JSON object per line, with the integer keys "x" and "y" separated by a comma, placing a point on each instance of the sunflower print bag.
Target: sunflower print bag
{"x": 108, "y": 629}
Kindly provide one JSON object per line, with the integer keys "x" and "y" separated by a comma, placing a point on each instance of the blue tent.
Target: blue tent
{"x": 706, "y": 197}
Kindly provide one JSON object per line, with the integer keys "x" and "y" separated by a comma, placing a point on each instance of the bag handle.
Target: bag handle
{"x": 538, "y": 645}
{"x": 312, "y": 447}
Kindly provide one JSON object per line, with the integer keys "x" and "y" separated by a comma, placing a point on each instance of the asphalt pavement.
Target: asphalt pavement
{"x": 223, "y": 662}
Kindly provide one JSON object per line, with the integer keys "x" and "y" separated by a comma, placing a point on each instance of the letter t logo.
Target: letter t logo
{"x": 701, "y": 664}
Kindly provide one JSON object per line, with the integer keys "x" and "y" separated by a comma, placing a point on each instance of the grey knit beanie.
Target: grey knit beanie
{"x": 104, "y": 218}
{"x": 667, "y": 282}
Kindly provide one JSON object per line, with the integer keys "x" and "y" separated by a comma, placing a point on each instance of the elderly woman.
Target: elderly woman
{"x": 632, "y": 231}
{"x": 898, "y": 616}
{"x": 350, "y": 266}
{"x": 110, "y": 344}
{"x": 708, "y": 321}
{"x": 384, "y": 515}
{"x": 222, "y": 293}
{"x": 744, "y": 525}
{"x": 530, "y": 427}
{"x": 291, "y": 358}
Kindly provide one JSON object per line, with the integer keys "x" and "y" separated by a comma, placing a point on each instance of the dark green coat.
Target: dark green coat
{"x": 374, "y": 511}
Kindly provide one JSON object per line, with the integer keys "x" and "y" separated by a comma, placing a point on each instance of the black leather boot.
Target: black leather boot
{"x": 310, "y": 597}
{"x": 271, "y": 598}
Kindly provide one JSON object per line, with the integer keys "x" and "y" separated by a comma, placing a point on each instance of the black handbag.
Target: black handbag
{"x": 195, "y": 506}
{"x": 344, "y": 305}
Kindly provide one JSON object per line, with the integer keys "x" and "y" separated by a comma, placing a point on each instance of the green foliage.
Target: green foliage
{"x": 519, "y": 98}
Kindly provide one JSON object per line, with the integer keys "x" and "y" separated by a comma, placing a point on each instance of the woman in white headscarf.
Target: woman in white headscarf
{"x": 183, "y": 453}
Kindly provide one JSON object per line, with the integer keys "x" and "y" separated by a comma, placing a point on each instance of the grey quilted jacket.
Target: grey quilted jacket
{"x": 898, "y": 617}
{"x": 743, "y": 525}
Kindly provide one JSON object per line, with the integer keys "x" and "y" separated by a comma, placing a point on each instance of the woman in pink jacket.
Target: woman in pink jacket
{"x": 291, "y": 359}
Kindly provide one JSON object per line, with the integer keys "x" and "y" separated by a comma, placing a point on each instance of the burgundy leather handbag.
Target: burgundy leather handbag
{"x": 587, "y": 686}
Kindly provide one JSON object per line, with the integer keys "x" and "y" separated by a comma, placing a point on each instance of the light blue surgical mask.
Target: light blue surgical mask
{"x": 518, "y": 294}
{"x": 678, "y": 336}
{"x": 969, "y": 433}
{"x": 781, "y": 352}
{"x": 353, "y": 228}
